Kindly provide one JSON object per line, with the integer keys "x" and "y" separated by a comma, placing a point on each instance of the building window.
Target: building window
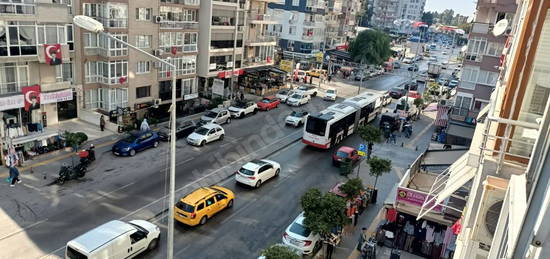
{"x": 106, "y": 99}
{"x": 111, "y": 73}
{"x": 64, "y": 72}
{"x": 144, "y": 41}
{"x": 487, "y": 78}
{"x": 189, "y": 86}
{"x": 143, "y": 14}
{"x": 167, "y": 40}
{"x": 292, "y": 30}
{"x": 17, "y": 7}
{"x": 494, "y": 49}
{"x": 70, "y": 36}
{"x": 462, "y": 105}
{"x": 111, "y": 15}
{"x": 190, "y": 41}
{"x": 13, "y": 76}
{"x": 143, "y": 67}
{"x": 18, "y": 39}
{"x": 476, "y": 48}
{"x": 142, "y": 92}
{"x": 106, "y": 46}
{"x": 295, "y": 2}
{"x": 189, "y": 15}
{"x": 184, "y": 65}
{"x": 116, "y": 49}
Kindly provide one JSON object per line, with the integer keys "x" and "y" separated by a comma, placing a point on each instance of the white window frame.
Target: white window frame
{"x": 477, "y": 46}
{"x": 143, "y": 67}
{"x": 60, "y": 71}
{"x": 188, "y": 86}
{"x": 105, "y": 72}
{"x": 8, "y": 26}
{"x": 192, "y": 46}
{"x": 494, "y": 49}
{"x": 185, "y": 65}
{"x": 20, "y": 70}
{"x": 144, "y": 41}
{"x": 144, "y": 14}
{"x": 139, "y": 97}
{"x": 167, "y": 40}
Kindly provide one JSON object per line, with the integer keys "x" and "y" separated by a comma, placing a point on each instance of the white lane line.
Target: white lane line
{"x": 178, "y": 163}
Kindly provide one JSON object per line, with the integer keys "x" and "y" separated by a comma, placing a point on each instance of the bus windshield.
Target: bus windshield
{"x": 316, "y": 126}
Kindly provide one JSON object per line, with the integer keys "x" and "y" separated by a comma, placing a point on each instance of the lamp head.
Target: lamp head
{"x": 88, "y": 23}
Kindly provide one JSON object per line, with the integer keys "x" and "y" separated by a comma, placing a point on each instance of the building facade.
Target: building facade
{"x": 481, "y": 60}
{"x": 386, "y": 12}
{"x": 505, "y": 173}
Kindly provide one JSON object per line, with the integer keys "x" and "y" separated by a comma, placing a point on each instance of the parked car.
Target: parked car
{"x": 125, "y": 239}
{"x": 396, "y": 64}
{"x": 301, "y": 74}
{"x": 296, "y": 118}
{"x": 135, "y": 141}
{"x": 411, "y": 86}
{"x": 268, "y": 103}
{"x": 243, "y": 108}
{"x": 392, "y": 119}
{"x": 453, "y": 83}
{"x": 408, "y": 60}
{"x": 433, "y": 59}
{"x": 316, "y": 72}
{"x": 360, "y": 75}
{"x": 343, "y": 153}
{"x": 308, "y": 89}
{"x": 202, "y": 204}
{"x": 443, "y": 81}
{"x": 183, "y": 129}
{"x": 444, "y": 64}
{"x": 297, "y": 235}
{"x": 256, "y": 172}
{"x": 206, "y": 134}
{"x": 298, "y": 99}
{"x": 330, "y": 94}
{"x": 284, "y": 94}
{"x": 413, "y": 68}
{"x": 386, "y": 98}
{"x": 444, "y": 52}
{"x": 217, "y": 115}
{"x": 397, "y": 93}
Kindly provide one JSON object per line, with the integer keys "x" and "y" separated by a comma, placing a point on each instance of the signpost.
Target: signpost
{"x": 362, "y": 151}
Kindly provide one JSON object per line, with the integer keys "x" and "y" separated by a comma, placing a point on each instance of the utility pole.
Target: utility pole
{"x": 231, "y": 83}
{"x": 362, "y": 76}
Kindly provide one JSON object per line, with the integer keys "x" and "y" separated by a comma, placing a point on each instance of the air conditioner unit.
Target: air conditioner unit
{"x": 156, "y": 102}
{"x": 158, "y": 19}
{"x": 158, "y": 52}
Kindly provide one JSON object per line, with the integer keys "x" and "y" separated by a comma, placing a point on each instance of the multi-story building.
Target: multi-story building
{"x": 386, "y": 12}
{"x": 301, "y": 28}
{"x": 234, "y": 36}
{"x": 505, "y": 173}
{"x": 481, "y": 60}
{"x": 37, "y": 57}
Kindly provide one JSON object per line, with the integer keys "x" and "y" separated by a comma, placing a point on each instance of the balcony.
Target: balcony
{"x": 260, "y": 18}
{"x": 182, "y": 25}
{"x": 307, "y": 37}
{"x": 17, "y": 9}
{"x": 52, "y": 12}
{"x": 261, "y": 40}
{"x": 183, "y": 2}
{"x": 481, "y": 28}
{"x": 309, "y": 24}
{"x": 113, "y": 22}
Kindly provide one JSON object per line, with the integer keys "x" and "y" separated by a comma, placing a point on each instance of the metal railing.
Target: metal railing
{"x": 307, "y": 37}
{"x": 17, "y": 8}
{"x": 261, "y": 39}
{"x": 184, "y": 25}
{"x": 258, "y": 16}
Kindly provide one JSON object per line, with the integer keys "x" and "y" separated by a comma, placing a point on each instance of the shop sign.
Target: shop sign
{"x": 319, "y": 57}
{"x": 11, "y": 102}
{"x": 227, "y": 74}
{"x": 415, "y": 198}
{"x": 218, "y": 87}
{"x": 139, "y": 106}
{"x": 54, "y": 97}
{"x": 190, "y": 96}
{"x": 286, "y": 65}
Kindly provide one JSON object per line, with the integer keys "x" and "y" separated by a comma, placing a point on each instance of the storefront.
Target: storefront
{"x": 262, "y": 80}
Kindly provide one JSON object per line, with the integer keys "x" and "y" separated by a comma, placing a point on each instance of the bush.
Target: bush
{"x": 279, "y": 251}
{"x": 75, "y": 139}
{"x": 352, "y": 187}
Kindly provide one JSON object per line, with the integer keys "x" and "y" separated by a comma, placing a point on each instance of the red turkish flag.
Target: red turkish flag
{"x": 32, "y": 97}
{"x": 122, "y": 80}
{"x": 52, "y": 54}
{"x": 174, "y": 50}
{"x": 168, "y": 74}
{"x": 268, "y": 59}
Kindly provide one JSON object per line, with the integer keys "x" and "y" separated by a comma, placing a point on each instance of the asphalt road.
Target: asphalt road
{"x": 118, "y": 187}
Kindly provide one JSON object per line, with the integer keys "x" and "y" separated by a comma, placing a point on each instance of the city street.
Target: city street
{"x": 134, "y": 187}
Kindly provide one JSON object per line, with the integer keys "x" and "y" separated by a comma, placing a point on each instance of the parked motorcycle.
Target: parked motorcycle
{"x": 67, "y": 172}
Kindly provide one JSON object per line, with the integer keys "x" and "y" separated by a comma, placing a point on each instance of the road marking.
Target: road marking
{"x": 23, "y": 229}
{"x": 111, "y": 192}
{"x": 179, "y": 163}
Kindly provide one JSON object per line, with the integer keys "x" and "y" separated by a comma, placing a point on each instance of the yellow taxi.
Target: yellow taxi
{"x": 197, "y": 207}
{"x": 316, "y": 72}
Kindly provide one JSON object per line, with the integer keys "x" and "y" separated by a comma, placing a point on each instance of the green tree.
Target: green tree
{"x": 428, "y": 17}
{"x": 419, "y": 102}
{"x": 371, "y": 47}
{"x": 466, "y": 27}
{"x": 378, "y": 167}
{"x": 447, "y": 16}
{"x": 346, "y": 166}
{"x": 370, "y": 134}
{"x": 323, "y": 211}
{"x": 278, "y": 251}
{"x": 352, "y": 187}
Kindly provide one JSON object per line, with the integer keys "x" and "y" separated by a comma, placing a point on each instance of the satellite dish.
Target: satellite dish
{"x": 500, "y": 27}
{"x": 470, "y": 19}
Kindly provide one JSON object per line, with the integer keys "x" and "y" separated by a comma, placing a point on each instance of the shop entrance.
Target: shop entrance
{"x": 67, "y": 110}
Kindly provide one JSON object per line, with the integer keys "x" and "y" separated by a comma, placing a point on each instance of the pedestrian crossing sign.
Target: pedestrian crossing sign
{"x": 362, "y": 149}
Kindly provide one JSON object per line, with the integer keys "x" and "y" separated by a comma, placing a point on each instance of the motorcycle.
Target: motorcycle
{"x": 67, "y": 172}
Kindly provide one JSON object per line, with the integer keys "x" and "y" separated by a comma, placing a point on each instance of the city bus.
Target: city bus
{"x": 330, "y": 126}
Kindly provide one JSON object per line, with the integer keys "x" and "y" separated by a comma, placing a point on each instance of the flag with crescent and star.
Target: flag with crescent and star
{"x": 32, "y": 97}
{"x": 52, "y": 54}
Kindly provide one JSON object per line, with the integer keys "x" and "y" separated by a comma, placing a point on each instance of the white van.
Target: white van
{"x": 113, "y": 240}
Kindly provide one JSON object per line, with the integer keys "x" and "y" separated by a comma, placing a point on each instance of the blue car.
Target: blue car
{"x": 134, "y": 142}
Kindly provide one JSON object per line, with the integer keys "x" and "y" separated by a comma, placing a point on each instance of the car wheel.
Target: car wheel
{"x": 221, "y": 137}
{"x": 203, "y": 220}
{"x": 255, "y": 111}
{"x": 314, "y": 94}
{"x": 277, "y": 172}
{"x": 153, "y": 244}
{"x": 228, "y": 120}
{"x": 156, "y": 144}
{"x": 241, "y": 116}
{"x": 202, "y": 143}
{"x": 132, "y": 152}
{"x": 300, "y": 123}
{"x": 258, "y": 183}
{"x": 230, "y": 204}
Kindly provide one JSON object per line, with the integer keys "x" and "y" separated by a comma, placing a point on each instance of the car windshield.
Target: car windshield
{"x": 341, "y": 154}
{"x": 130, "y": 138}
{"x": 299, "y": 230}
{"x": 185, "y": 207}
{"x": 303, "y": 88}
{"x": 296, "y": 114}
{"x": 284, "y": 92}
{"x": 297, "y": 96}
{"x": 202, "y": 131}
{"x": 396, "y": 89}
{"x": 211, "y": 114}
{"x": 246, "y": 171}
{"x": 330, "y": 91}
{"x": 266, "y": 100}
{"x": 241, "y": 105}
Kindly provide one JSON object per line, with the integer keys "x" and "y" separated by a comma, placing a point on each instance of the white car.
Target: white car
{"x": 308, "y": 89}
{"x": 444, "y": 52}
{"x": 296, "y": 118}
{"x": 444, "y": 64}
{"x": 433, "y": 58}
{"x": 407, "y": 60}
{"x": 206, "y": 134}
{"x": 300, "y": 237}
{"x": 284, "y": 94}
{"x": 298, "y": 99}
{"x": 330, "y": 94}
{"x": 256, "y": 172}
{"x": 217, "y": 115}
{"x": 243, "y": 108}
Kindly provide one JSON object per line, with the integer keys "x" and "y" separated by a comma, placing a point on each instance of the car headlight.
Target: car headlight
{"x": 126, "y": 149}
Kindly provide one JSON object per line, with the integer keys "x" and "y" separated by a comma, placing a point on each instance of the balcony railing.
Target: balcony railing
{"x": 307, "y": 37}
{"x": 179, "y": 25}
{"x": 113, "y": 22}
{"x": 254, "y": 17}
{"x": 184, "y": 2}
{"x": 261, "y": 39}
{"x": 17, "y": 9}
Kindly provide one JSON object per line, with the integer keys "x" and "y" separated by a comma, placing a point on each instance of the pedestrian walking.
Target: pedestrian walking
{"x": 310, "y": 80}
{"x": 102, "y": 123}
{"x": 356, "y": 217}
{"x": 394, "y": 138}
{"x": 362, "y": 238}
{"x": 144, "y": 126}
{"x": 329, "y": 77}
{"x": 11, "y": 161}
{"x": 242, "y": 96}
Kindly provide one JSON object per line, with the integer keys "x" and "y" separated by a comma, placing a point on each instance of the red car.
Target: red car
{"x": 268, "y": 103}
{"x": 343, "y": 153}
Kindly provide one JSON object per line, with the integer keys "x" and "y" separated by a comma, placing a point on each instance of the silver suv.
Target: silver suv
{"x": 217, "y": 115}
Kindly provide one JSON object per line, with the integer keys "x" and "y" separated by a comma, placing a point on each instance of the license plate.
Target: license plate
{"x": 116, "y": 153}
{"x": 181, "y": 215}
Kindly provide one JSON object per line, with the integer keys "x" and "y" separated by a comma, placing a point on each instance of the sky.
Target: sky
{"x": 463, "y": 7}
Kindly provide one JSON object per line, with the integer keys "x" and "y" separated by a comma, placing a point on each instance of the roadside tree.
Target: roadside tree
{"x": 371, "y": 47}
{"x": 278, "y": 251}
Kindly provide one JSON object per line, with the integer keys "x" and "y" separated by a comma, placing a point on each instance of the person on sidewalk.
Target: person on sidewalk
{"x": 242, "y": 96}
{"x": 11, "y": 162}
{"x": 102, "y": 123}
{"x": 329, "y": 78}
{"x": 144, "y": 126}
{"x": 311, "y": 80}
{"x": 362, "y": 238}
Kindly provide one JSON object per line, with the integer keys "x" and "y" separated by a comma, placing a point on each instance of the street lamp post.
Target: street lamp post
{"x": 93, "y": 25}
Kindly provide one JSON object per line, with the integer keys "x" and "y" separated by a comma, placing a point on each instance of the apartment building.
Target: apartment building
{"x": 301, "y": 28}
{"x": 37, "y": 57}
{"x": 505, "y": 173}
{"x": 386, "y": 12}
{"x": 341, "y": 20}
{"x": 236, "y": 39}
{"x": 481, "y": 60}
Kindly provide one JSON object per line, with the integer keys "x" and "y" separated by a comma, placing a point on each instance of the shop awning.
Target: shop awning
{"x": 466, "y": 132}
{"x": 442, "y": 157}
{"x": 277, "y": 70}
{"x": 447, "y": 183}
